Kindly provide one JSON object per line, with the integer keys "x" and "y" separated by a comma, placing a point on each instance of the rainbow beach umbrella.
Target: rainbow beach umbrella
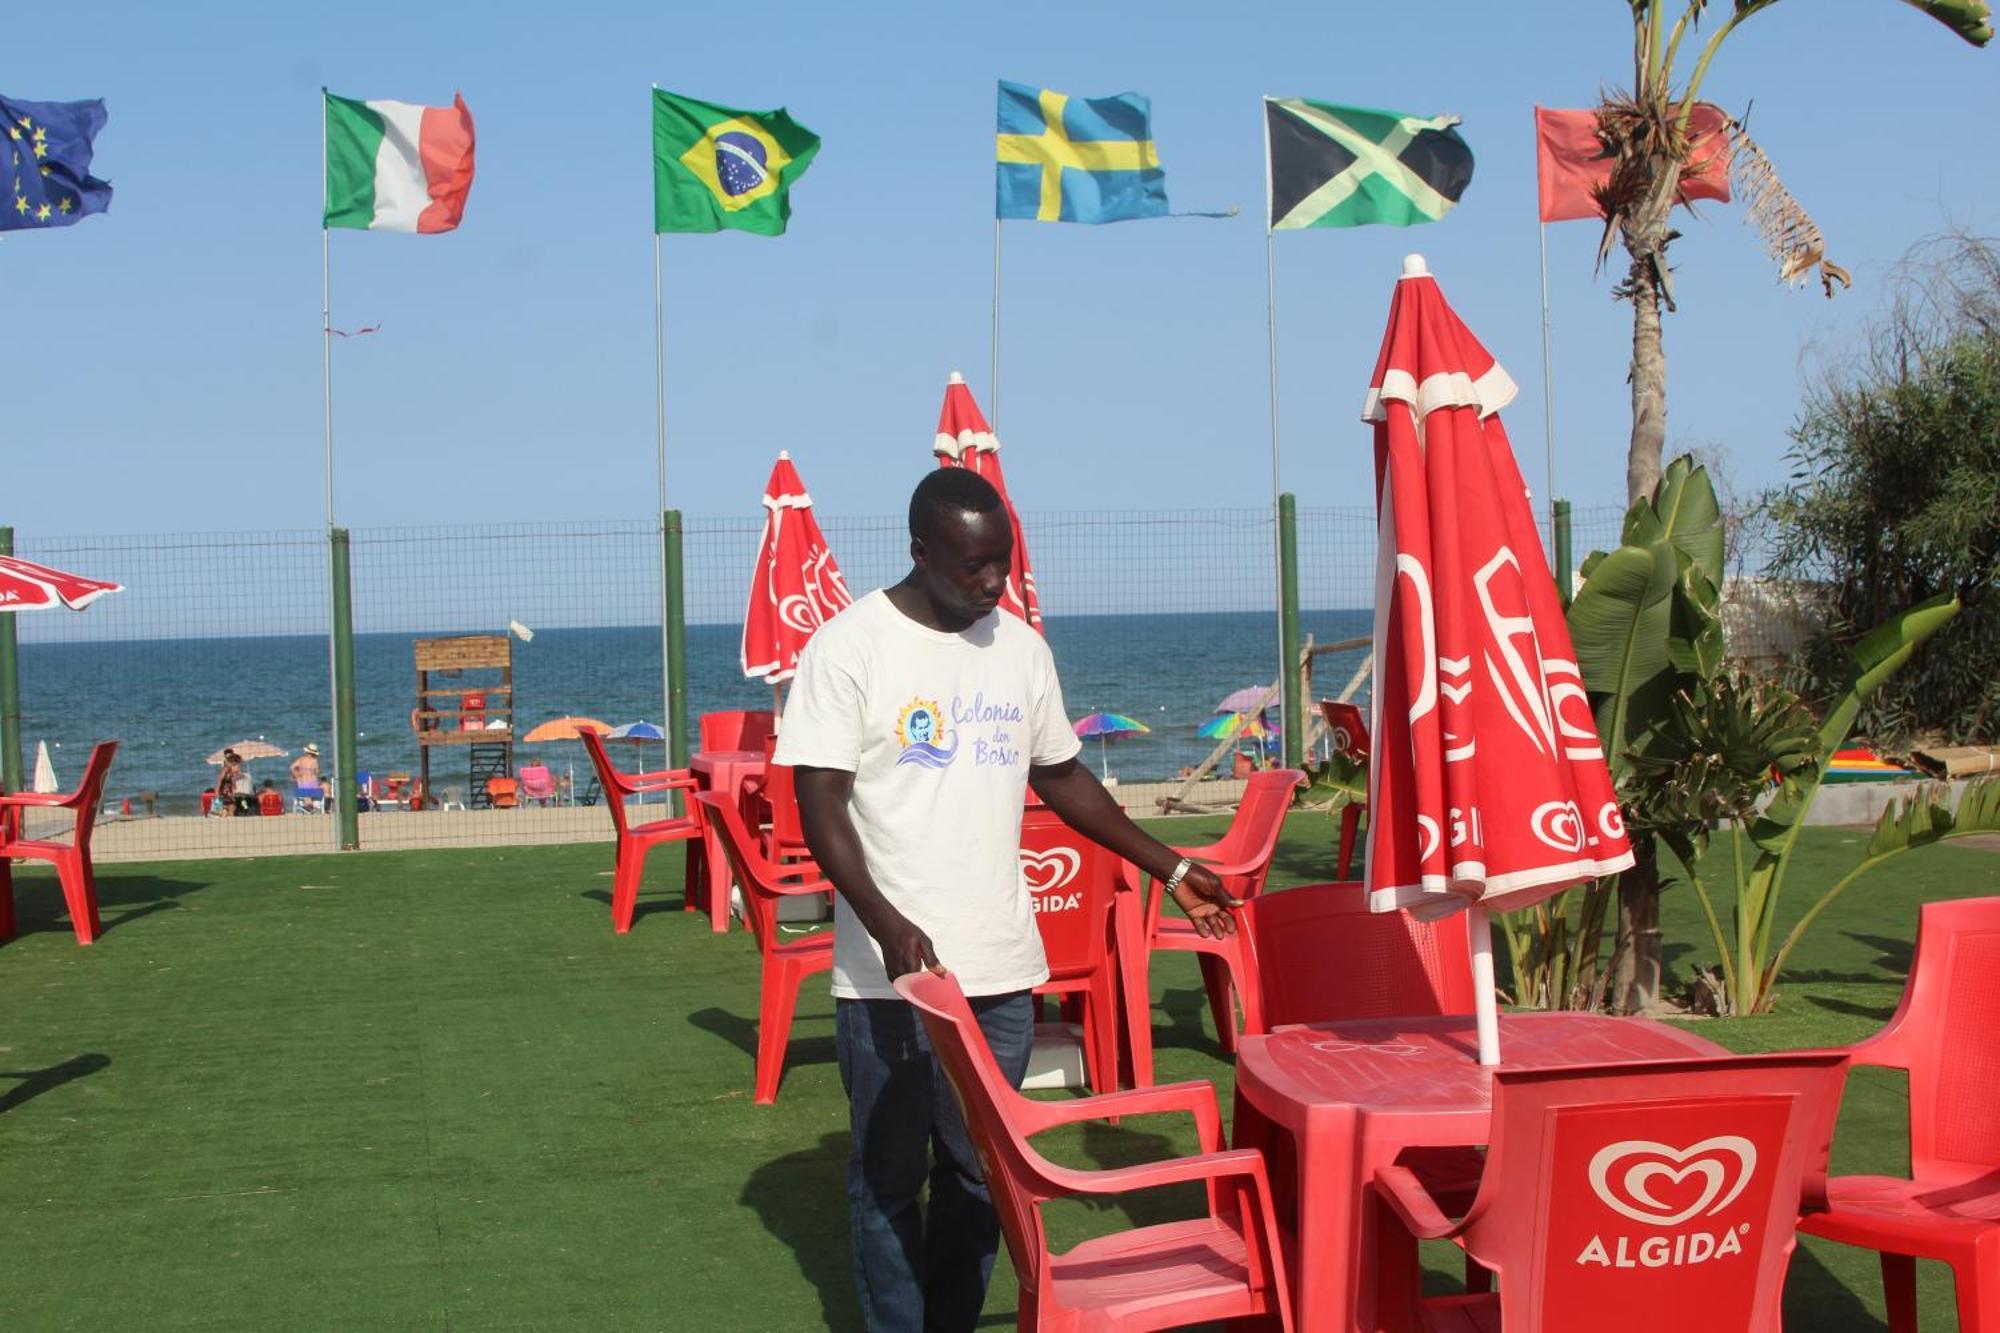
{"x": 1104, "y": 726}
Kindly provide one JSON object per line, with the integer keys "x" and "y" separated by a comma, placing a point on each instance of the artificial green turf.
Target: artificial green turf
{"x": 433, "y": 1090}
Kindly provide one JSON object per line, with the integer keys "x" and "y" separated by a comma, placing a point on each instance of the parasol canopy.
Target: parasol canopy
{"x": 27, "y": 586}
{"x": 1487, "y": 782}
{"x": 1223, "y": 726}
{"x": 248, "y": 750}
{"x": 1106, "y": 726}
{"x": 636, "y": 731}
{"x": 563, "y": 729}
{"x": 965, "y": 440}
{"x": 1249, "y": 699}
{"x": 795, "y": 586}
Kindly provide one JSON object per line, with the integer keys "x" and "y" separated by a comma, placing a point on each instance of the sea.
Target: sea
{"x": 172, "y": 702}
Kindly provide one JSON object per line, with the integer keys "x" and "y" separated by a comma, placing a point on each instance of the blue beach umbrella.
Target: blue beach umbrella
{"x": 637, "y": 733}
{"x": 1104, "y": 726}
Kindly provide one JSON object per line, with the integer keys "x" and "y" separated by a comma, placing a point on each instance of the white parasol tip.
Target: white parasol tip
{"x": 956, "y": 378}
{"x": 1414, "y": 266}
{"x": 784, "y": 455}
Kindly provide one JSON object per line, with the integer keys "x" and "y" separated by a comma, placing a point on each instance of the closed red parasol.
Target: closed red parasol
{"x": 1487, "y": 783}
{"x": 796, "y": 586}
{"x": 965, "y": 440}
{"x": 27, "y": 586}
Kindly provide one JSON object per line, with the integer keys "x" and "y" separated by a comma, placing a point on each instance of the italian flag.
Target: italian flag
{"x": 396, "y": 166}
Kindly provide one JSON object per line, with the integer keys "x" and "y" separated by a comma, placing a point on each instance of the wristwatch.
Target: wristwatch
{"x": 1180, "y": 873}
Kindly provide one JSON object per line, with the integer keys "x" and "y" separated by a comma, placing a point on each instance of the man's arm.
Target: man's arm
{"x": 836, "y": 847}
{"x": 1074, "y": 793}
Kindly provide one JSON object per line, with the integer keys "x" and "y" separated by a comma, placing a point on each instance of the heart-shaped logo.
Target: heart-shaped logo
{"x": 1632, "y": 1175}
{"x": 1559, "y": 824}
{"x": 1045, "y": 872}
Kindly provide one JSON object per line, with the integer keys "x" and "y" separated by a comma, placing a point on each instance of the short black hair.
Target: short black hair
{"x": 949, "y": 490}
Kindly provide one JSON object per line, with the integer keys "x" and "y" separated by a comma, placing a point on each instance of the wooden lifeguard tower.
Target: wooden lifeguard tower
{"x": 465, "y": 696}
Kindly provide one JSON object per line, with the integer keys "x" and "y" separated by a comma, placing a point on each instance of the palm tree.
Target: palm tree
{"x": 1646, "y": 134}
{"x": 1645, "y": 131}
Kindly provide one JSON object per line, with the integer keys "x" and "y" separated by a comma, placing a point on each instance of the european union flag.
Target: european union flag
{"x": 1076, "y": 159}
{"x": 45, "y": 178}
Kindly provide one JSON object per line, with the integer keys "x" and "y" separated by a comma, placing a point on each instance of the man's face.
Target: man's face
{"x": 965, "y": 563}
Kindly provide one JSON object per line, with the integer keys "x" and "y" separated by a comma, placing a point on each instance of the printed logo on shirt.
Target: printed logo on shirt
{"x": 921, "y": 731}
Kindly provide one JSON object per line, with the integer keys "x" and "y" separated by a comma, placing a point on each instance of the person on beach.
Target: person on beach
{"x": 306, "y": 789}
{"x": 918, "y": 720}
{"x": 232, "y": 786}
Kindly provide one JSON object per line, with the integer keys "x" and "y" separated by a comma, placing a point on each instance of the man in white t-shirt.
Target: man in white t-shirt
{"x": 919, "y": 717}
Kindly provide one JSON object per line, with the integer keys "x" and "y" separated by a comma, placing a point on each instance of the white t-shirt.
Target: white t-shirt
{"x": 939, "y": 731}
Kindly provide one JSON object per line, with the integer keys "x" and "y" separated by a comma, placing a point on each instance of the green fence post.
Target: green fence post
{"x": 1288, "y": 630}
{"x": 10, "y": 690}
{"x": 343, "y": 695}
{"x": 1563, "y": 578}
{"x": 675, "y": 600}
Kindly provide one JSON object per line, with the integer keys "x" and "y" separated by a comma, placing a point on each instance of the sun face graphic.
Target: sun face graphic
{"x": 919, "y": 723}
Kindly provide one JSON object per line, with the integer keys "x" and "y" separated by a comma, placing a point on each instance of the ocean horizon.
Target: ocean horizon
{"x": 173, "y": 701}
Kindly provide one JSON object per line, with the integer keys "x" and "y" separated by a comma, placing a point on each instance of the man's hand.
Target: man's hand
{"x": 1200, "y": 894}
{"x": 906, "y": 949}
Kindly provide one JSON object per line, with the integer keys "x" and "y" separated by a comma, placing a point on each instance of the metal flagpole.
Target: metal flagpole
{"x": 993, "y": 379}
{"x": 1548, "y": 396}
{"x": 326, "y": 411}
{"x": 326, "y": 311}
{"x": 660, "y": 460}
{"x": 1271, "y": 324}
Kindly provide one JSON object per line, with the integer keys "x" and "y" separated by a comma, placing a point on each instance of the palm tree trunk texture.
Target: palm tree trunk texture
{"x": 1635, "y": 986}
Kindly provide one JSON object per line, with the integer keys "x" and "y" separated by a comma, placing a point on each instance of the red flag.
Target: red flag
{"x": 965, "y": 440}
{"x": 1570, "y": 162}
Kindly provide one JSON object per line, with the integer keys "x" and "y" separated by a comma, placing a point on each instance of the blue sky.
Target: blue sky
{"x": 163, "y": 364}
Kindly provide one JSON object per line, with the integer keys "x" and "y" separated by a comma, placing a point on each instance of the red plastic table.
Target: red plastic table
{"x": 724, "y": 771}
{"x": 1351, "y": 1096}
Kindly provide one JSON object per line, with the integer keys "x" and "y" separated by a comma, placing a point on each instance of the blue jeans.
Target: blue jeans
{"x": 918, "y": 1270}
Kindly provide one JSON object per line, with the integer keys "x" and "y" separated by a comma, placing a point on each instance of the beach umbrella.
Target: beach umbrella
{"x": 1487, "y": 784}
{"x": 45, "y": 770}
{"x": 563, "y": 729}
{"x": 795, "y": 586}
{"x": 27, "y": 586}
{"x": 248, "y": 750}
{"x": 1249, "y": 699}
{"x": 1223, "y": 726}
{"x": 965, "y": 440}
{"x": 1104, "y": 726}
{"x": 635, "y": 731}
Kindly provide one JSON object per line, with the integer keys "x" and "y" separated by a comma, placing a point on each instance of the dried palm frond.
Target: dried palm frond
{"x": 1790, "y": 235}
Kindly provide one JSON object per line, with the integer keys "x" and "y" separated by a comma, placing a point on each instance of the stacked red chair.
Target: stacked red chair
{"x": 635, "y": 840}
{"x": 71, "y": 859}
{"x": 786, "y": 962}
{"x": 1222, "y": 1265}
{"x": 1948, "y": 1207}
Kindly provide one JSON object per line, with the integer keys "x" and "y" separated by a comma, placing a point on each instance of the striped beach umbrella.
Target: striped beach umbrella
{"x": 1105, "y": 726}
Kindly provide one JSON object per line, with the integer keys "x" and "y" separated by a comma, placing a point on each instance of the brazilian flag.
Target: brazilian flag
{"x": 716, "y": 167}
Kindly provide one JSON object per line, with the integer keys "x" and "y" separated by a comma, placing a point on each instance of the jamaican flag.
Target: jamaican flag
{"x": 1347, "y": 166}
{"x": 716, "y": 167}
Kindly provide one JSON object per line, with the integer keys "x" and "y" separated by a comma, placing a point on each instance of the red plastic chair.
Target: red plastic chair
{"x": 1319, "y": 955}
{"x": 1224, "y": 1265}
{"x": 1348, "y": 729}
{"x": 744, "y": 729}
{"x": 635, "y": 840}
{"x": 71, "y": 859}
{"x": 1242, "y": 858}
{"x": 1073, "y": 883}
{"x": 270, "y": 803}
{"x": 1650, "y": 1198}
{"x": 1948, "y": 1208}
{"x": 787, "y": 962}
{"x": 771, "y": 810}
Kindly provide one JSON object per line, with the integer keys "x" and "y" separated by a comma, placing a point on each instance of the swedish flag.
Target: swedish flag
{"x": 1076, "y": 159}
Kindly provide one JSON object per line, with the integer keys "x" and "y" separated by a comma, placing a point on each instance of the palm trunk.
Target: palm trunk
{"x": 1646, "y": 236}
{"x": 1635, "y": 985}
